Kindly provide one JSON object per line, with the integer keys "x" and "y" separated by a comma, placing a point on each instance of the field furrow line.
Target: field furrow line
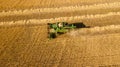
{"x": 61, "y": 9}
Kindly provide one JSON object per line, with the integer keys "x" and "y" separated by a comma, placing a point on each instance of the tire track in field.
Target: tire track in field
{"x": 60, "y": 19}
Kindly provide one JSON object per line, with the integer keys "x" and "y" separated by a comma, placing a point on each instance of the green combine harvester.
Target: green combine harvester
{"x": 55, "y": 29}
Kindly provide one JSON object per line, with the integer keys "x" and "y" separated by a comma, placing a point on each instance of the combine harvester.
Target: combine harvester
{"x": 55, "y": 29}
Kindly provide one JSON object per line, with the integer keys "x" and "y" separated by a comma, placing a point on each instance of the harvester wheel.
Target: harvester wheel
{"x": 52, "y": 35}
{"x": 51, "y": 32}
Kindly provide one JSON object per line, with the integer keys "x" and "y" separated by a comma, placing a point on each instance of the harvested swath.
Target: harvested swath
{"x": 10, "y": 16}
{"x": 61, "y": 9}
{"x": 56, "y": 15}
{"x": 60, "y": 19}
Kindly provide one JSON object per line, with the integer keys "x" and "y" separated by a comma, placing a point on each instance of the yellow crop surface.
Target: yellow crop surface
{"x": 24, "y": 32}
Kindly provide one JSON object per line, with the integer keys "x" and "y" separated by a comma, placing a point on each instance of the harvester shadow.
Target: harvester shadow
{"x": 80, "y": 25}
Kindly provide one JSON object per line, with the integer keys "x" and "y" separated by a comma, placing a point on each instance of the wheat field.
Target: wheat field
{"x": 23, "y": 33}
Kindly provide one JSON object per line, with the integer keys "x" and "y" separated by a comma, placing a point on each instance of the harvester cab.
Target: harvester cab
{"x": 55, "y": 29}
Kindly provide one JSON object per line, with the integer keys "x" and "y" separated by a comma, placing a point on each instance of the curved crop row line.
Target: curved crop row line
{"x": 61, "y": 9}
{"x": 60, "y": 19}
